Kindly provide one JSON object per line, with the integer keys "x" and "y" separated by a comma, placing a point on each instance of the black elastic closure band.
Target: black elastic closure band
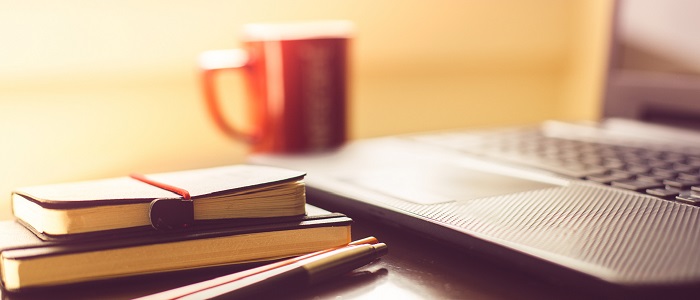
{"x": 169, "y": 214}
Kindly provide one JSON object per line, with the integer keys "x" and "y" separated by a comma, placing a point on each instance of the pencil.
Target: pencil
{"x": 199, "y": 286}
{"x": 307, "y": 272}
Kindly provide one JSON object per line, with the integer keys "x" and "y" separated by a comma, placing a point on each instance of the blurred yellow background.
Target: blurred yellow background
{"x": 92, "y": 89}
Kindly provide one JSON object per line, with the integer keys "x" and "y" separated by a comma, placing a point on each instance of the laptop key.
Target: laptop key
{"x": 678, "y": 167}
{"x": 681, "y": 183}
{"x": 636, "y": 185}
{"x": 686, "y": 176}
{"x": 635, "y": 168}
{"x": 695, "y": 191}
{"x": 572, "y": 170}
{"x": 653, "y": 163}
{"x": 674, "y": 157}
{"x": 607, "y": 178}
{"x": 668, "y": 193}
{"x": 613, "y": 164}
{"x": 688, "y": 197}
{"x": 664, "y": 172}
{"x": 652, "y": 177}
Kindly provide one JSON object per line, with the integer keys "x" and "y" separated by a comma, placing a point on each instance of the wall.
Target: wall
{"x": 98, "y": 89}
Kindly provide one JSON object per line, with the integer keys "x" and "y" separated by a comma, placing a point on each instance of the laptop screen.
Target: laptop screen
{"x": 654, "y": 71}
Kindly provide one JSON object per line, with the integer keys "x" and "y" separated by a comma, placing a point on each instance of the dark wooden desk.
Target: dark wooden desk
{"x": 418, "y": 268}
{"x": 415, "y": 268}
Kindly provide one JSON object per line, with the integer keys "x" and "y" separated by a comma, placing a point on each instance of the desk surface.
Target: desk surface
{"x": 415, "y": 268}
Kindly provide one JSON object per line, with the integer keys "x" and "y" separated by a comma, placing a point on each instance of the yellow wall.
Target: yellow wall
{"x": 96, "y": 89}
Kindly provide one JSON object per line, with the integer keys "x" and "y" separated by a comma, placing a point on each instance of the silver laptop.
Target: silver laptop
{"x": 612, "y": 203}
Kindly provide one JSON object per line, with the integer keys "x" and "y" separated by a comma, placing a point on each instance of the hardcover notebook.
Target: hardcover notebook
{"x": 29, "y": 262}
{"x": 231, "y": 192}
{"x": 611, "y": 204}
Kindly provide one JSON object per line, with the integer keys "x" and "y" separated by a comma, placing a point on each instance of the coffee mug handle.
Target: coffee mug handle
{"x": 210, "y": 63}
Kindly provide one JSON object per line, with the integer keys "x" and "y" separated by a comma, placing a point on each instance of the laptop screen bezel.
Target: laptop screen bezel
{"x": 655, "y": 97}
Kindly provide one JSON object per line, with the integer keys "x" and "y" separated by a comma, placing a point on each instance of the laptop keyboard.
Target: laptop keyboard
{"x": 672, "y": 174}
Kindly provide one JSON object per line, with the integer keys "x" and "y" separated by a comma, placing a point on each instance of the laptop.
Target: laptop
{"x": 614, "y": 203}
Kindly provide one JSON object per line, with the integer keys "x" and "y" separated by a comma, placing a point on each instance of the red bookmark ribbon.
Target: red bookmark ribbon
{"x": 180, "y": 191}
{"x": 168, "y": 214}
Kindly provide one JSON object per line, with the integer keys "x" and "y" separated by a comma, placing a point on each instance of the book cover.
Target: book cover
{"x": 230, "y": 192}
{"x": 29, "y": 262}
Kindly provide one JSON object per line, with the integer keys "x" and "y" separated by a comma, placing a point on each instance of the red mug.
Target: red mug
{"x": 296, "y": 82}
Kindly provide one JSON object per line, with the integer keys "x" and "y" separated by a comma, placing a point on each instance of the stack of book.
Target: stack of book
{"x": 83, "y": 231}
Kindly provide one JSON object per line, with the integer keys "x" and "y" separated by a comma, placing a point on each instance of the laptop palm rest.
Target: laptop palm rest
{"x": 439, "y": 183}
